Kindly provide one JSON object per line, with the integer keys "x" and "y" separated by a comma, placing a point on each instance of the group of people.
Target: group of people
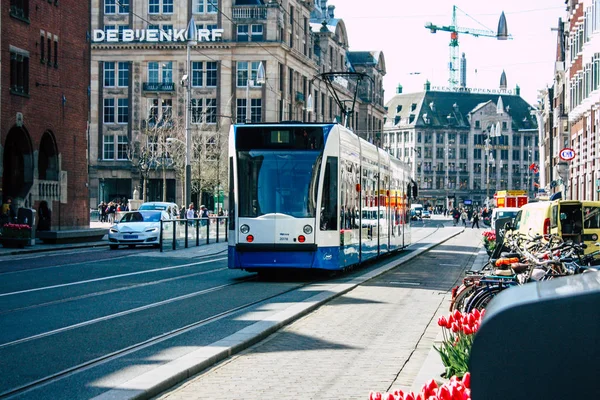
{"x": 473, "y": 216}
{"x": 8, "y": 214}
{"x": 191, "y": 213}
{"x": 108, "y": 211}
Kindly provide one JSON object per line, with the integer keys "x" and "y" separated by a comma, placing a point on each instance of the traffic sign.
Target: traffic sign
{"x": 567, "y": 154}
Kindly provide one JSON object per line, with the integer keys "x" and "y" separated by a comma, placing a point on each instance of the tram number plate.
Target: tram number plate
{"x": 130, "y": 236}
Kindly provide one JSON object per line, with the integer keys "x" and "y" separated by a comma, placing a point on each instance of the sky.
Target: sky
{"x": 413, "y": 54}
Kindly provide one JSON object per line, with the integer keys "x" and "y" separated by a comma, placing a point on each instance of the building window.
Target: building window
{"x": 167, "y": 72}
{"x": 49, "y": 40}
{"x": 211, "y": 74}
{"x": 163, "y": 70}
{"x": 109, "y": 74}
{"x": 256, "y": 33}
{"x": 463, "y": 154}
{"x": 55, "y": 52}
{"x": 152, "y": 112}
{"x": 207, "y": 114}
{"x": 19, "y": 72}
{"x": 123, "y": 111}
{"x": 108, "y": 147}
{"x": 241, "y": 111}
{"x": 256, "y": 110}
{"x": 123, "y": 74}
{"x": 19, "y": 9}
{"x": 167, "y": 109}
{"x": 122, "y": 147}
{"x": 197, "y": 73}
{"x": 477, "y": 124}
{"x": 153, "y": 72}
{"x": 204, "y": 77}
{"x": 204, "y": 6}
{"x": 477, "y": 154}
{"x": 242, "y": 33}
{"x": 516, "y": 155}
{"x": 504, "y": 125}
{"x": 42, "y": 47}
{"x": 110, "y": 6}
{"x": 154, "y": 6}
{"x": 167, "y": 6}
{"x": 242, "y": 73}
{"x": 109, "y": 111}
{"x": 123, "y": 6}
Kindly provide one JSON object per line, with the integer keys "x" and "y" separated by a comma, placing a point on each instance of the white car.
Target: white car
{"x": 137, "y": 228}
{"x": 171, "y": 208}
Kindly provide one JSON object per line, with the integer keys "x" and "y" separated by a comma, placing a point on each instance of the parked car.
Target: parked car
{"x": 171, "y": 208}
{"x": 137, "y": 228}
{"x": 425, "y": 214}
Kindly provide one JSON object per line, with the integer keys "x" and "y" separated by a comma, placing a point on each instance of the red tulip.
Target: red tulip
{"x": 466, "y": 380}
{"x": 399, "y": 393}
{"x": 457, "y": 315}
{"x": 443, "y": 322}
{"x": 455, "y": 327}
{"x": 444, "y": 393}
{"x": 467, "y": 330}
{"x": 375, "y": 396}
{"x": 390, "y": 396}
{"x": 476, "y": 313}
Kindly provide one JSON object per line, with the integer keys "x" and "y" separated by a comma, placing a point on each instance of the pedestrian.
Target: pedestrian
{"x": 44, "y": 216}
{"x": 463, "y": 217}
{"x": 190, "y": 214}
{"x": 475, "y": 220}
{"x": 455, "y": 216}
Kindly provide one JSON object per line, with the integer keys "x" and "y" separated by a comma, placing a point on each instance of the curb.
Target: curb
{"x": 164, "y": 377}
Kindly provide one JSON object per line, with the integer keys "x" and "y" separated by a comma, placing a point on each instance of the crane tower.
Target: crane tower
{"x": 454, "y": 29}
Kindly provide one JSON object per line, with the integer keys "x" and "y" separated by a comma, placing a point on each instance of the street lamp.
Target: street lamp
{"x": 260, "y": 79}
{"x": 191, "y": 36}
{"x": 309, "y": 106}
{"x": 493, "y": 132}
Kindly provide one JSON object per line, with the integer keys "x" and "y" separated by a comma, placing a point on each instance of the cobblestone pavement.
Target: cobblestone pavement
{"x": 375, "y": 337}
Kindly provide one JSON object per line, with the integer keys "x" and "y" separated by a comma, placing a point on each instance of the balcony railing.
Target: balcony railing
{"x": 300, "y": 97}
{"x": 159, "y": 87}
{"x": 249, "y": 12}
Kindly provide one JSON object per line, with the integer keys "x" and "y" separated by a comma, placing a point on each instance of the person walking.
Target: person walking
{"x": 463, "y": 217}
{"x": 475, "y": 220}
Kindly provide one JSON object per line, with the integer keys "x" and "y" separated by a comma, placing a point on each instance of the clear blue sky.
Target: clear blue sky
{"x": 413, "y": 54}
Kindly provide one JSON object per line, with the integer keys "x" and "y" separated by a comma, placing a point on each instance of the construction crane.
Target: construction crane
{"x": 454, "y": 29}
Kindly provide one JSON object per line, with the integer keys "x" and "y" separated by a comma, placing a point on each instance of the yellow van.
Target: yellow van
{"x": 574, "y": 220}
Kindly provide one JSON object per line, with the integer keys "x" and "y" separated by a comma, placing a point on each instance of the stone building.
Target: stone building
{"x": 442, "y": 132}
{"x": 44, "y": 107}
{"x": 139, "y": 76}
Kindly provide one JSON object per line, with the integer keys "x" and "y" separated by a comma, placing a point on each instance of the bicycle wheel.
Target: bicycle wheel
{"x": 462, "y": 294}
{"x": 485, "y": 297}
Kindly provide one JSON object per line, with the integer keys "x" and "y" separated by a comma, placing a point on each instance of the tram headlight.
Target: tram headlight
{"x": 244, "y": 229}
{"x": 307, "y": 229}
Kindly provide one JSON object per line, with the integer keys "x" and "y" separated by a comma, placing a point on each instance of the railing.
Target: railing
{"x": 300, "y": 97}
{"x": 247, "y": 12}
{"x": 159, "y": 87}
{"x": 184, "y": 233}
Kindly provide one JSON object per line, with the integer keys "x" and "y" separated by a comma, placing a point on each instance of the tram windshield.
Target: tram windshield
{"x": 278, "y": 169}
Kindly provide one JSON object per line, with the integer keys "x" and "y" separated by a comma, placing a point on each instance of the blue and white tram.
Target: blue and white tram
{"x": 313, "y": 196}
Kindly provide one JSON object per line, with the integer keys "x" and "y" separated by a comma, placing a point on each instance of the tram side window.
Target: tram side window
{"x": 330, "y": 193}
{"x": 231, "y": 196}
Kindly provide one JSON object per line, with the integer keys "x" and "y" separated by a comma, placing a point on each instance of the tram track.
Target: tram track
{"x": 38, "y": 383}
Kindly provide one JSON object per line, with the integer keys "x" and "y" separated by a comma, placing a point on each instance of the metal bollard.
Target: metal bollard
{"x": 160, "y": 239}
{"x": 174, "y": 244}
{"x": 218, "y": 223}
{"x": 207, "y": 231}
{"x": 197, "y": 233}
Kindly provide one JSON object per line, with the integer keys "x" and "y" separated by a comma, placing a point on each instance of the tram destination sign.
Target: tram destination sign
{"x": 153, "y": 35}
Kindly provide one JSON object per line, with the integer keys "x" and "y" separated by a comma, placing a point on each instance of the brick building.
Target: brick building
{"x": 44, "y": 107}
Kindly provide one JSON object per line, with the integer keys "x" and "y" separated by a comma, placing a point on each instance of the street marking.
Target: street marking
{"x": 109, "y": 277}
{"x": 405, "y": 283}
{"x": 116, "y": 315}
{"x": 451, "y": 265}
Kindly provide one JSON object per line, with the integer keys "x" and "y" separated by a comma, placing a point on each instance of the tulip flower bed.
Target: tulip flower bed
{"x": 455, "y": 389}
{"x": 489, "y": 240}
{"x": 458, "y": 330}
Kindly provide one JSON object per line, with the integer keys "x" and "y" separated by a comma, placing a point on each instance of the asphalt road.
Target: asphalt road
{"x": 77, "y": 323}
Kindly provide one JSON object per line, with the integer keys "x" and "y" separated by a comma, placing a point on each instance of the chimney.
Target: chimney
{"x": 518, "y": 90}
{"x": 399, "y": 89}
{"x": 427, "y": 85}
{"x": 330, "y": 11}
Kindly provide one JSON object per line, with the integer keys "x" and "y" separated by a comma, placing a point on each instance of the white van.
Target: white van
{"x": 503, "y": 212}
{"x": 171, "y": 208}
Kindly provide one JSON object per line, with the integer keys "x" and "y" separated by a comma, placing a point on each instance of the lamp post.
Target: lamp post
{"x": 260, "y": 79}
{"x": 191, "y": 36}
{"x": 309, "y": 106}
